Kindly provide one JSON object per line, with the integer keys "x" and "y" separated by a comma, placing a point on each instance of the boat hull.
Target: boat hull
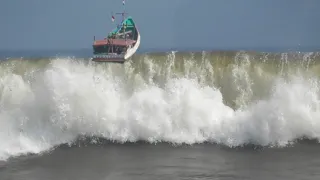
{"x": 131, "y": 51}
{"x": 108, "y": 58}
{"x": 111, "y": 60}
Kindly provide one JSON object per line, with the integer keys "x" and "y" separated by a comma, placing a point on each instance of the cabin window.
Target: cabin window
{"x": 100, "y": 49}
{"x": 105, "y": 49}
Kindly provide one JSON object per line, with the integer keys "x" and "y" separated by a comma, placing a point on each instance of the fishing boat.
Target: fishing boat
{"x": 120, "y": 44}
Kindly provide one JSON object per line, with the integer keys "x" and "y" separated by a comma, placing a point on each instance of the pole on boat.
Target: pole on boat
{"x": 124, "y": 7}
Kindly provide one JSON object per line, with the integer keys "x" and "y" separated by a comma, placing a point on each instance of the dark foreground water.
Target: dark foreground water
{"x": 162, "y": 161}
{"x": 241, "y": 113}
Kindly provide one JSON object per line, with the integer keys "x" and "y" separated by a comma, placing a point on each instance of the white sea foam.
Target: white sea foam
{"x": 69, "y": 99}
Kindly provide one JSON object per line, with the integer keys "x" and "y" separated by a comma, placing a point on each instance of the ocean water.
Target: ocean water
{"x": 175, "y": 115}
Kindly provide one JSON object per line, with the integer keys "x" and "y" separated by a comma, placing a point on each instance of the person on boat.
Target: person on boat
{"x": 119, "y": 50}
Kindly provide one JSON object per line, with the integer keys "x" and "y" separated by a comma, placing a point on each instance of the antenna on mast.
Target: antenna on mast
{"x": 124, "y": 9}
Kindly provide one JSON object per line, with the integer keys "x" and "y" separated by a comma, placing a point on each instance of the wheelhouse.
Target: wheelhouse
{"x": 117, "y": 46}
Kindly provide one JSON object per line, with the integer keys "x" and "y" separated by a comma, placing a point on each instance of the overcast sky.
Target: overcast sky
{"x": 71, "y": 24}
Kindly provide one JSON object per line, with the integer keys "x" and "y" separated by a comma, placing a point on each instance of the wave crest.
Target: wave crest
{"x": 235, "y": 105}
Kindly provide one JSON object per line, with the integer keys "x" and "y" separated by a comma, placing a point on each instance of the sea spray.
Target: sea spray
{"x": 177, "y": 98}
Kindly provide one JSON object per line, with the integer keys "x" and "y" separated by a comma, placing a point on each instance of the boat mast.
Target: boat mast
{"x": 123, "y": 18}
{"x": 124, "y": 10}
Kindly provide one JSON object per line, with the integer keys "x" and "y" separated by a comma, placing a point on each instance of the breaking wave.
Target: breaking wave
{"x": 231, "y": 99}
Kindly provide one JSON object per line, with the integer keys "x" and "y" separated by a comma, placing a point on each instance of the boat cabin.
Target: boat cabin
{"x": 112, "y": 45}
{"x": 121, "y": 38}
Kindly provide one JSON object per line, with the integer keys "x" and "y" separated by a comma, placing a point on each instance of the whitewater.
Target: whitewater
{"x": 232, "y": 99}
